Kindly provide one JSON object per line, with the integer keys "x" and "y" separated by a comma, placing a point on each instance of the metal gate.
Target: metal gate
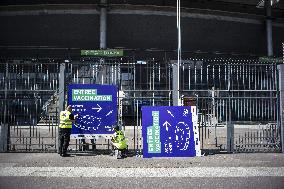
{"x": 237, "y": 99}
{"x": 28, "y": 100}
{"x": 237, "y": 102}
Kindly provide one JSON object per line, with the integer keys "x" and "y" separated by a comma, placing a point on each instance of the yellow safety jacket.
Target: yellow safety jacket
{"x": 119, "y": 141}
{"x": 65, "y": 121}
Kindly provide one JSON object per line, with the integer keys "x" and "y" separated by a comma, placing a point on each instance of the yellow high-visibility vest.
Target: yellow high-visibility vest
{"x": 119, "y": 140}
{"x": 65, "y": 122}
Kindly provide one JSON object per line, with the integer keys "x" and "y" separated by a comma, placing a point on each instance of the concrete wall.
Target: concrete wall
{"x": 138, "y": 32}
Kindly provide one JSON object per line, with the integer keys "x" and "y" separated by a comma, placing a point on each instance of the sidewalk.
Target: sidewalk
{"x": 85, "y": 160}
{"x": 49, "y": 170}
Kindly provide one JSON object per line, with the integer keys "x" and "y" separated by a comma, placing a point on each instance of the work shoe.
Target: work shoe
{"x": 66, "y": 155}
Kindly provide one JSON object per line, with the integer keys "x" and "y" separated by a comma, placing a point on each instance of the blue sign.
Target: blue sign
{"x": 97, "y": 109}
{"x": 168, "y": 131}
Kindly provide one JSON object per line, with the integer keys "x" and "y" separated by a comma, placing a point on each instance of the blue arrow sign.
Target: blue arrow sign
{"x": 97, "y": 107}
{"x": 168, "y": 131}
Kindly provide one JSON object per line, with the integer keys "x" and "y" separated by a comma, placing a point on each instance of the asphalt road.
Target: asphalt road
{"x": 41, "y": 170}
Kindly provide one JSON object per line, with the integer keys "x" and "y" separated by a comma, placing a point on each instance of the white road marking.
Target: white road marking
{"x": 212, "y": 172}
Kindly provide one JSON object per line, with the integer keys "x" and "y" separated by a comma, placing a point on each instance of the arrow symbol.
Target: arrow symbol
{"x": 166, "y": 124}
{"x": 110, "y": 112}
{"x": 98, "y": 109}
{"x": 170, "y": 113}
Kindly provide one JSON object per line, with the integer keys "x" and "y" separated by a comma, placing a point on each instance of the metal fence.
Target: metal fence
{"x": 237, "y": 99}
{"x": 27, "y": 89}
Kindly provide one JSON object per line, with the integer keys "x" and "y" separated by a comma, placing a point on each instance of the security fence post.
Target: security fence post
{"x": 4, "y": 137}
{"x": 281, "y": 99}
{"x": 61, "y": 95}
{"x": 4, "y": 127}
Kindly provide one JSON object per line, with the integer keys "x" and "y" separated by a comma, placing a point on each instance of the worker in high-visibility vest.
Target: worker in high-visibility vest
{"x": 65, "y": 126}
{"x": 119, "y": 142}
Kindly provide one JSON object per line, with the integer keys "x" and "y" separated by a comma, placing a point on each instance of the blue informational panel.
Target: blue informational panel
{"x": 170, "y": 131}
{"x": 97, "y": 109}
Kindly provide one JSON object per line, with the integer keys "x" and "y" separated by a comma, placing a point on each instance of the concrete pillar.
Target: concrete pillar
{"x": 281, "y": 100}
{"x": 175, "y": 94}
{"x": 268, "y": 9}
{"x": 103, "y": 24}
{"x": 103, "y": 30}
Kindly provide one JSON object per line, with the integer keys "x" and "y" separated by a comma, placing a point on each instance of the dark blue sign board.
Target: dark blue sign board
{"x": 97, "y": 109}
{"x": 168, "y": 131}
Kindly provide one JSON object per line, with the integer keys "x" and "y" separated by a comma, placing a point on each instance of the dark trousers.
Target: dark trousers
{"x": 64, "y": 139}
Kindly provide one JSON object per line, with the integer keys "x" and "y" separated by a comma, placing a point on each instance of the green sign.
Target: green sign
{"x": 89, "y": 95}
{"x": 153, "y": 134}
{"x": 270, "y": 60}
{"x": 107, "y": 53}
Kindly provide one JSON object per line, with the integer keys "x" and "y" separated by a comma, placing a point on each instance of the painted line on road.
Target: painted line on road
{"x": 142, "y": 172}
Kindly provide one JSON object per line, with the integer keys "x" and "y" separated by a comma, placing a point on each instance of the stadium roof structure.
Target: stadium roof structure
{"x": 254, "y": 7}
{"x": 237, "y": 5}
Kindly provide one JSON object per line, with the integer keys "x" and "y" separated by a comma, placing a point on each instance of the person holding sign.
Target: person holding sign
{"x": 65, "y": 126}
{"x": 119, "y": 143}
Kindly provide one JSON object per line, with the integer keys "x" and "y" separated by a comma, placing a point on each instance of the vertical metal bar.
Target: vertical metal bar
{"x": 275, "y": 78}
{"x": 238, "y": 76}
{"x": 134, "y": 130}
{"x": 176, "y": 88}
{"x": 189, "y": 77}
{"x": 137, "y": 127}
{"x": 77, "y": 75}
{"x": 243, "y": 77}
{"x": 175, "y": 93}
{"x": 243, "y": 107}
{"x": 281, "y": 100}
{"x": 249, "y": 76}
{"x": 255, "y": 78}
{"x": 134, "y": 77}
{"x": 153, "y": 77}
{"x": 219, "y": 76}
{"x": 230, "y": 129}
{"x": 61, "y": 93}
{"x": 218, "y": 101}
{"x": 159, "y": 72}
{"x": 169, "y": 76}
{"x": 207, "y": 77}
{"x": 195, "y": 77}
{"x": 223, "y": 110}
{"x": 201, "y": 75}
{"x": 275, "y": 108}
{"x": 149, "y": 80}
{"x": 213, "y": 75}
{"x": 239, "y": 107}
{"x": 226, "y": 76}
{"x": 4, "y": 128}
{"x": 236, "y": 107}
{"x": 269, "y": 74}
{"x": 262, "y": 108}
{"x": 202, "y": 128}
